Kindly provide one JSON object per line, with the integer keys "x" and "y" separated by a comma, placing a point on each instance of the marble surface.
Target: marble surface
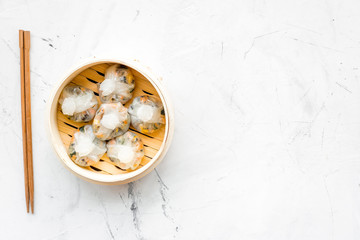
{"x": 267, "y": 107}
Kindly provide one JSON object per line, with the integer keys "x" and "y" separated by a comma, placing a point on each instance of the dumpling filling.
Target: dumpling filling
{"x": 78, "y": 103}
{"x": 147, "y": 114}
{"x": 111, "y": 120}
{"x": 126, "y": 151}
{"x": 85, "y": 149}
{"x": 118, "y": 85}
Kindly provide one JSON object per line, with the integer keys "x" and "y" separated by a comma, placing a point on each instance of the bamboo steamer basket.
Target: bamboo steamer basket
{"x": 61, "y": 129}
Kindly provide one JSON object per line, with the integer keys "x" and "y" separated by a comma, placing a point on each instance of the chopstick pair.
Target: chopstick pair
{"x": 24, "y": 44}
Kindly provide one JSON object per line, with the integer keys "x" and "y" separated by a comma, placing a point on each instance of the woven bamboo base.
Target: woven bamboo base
{"x": 89, "y": 78}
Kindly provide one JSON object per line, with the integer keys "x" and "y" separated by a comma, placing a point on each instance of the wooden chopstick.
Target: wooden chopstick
{"x": 23, "y": 117}
{"x": 28, "y": 117}
{"x": 26, "y": 114}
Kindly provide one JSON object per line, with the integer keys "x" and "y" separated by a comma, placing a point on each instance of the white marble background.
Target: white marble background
{"x": 267, "y": 105}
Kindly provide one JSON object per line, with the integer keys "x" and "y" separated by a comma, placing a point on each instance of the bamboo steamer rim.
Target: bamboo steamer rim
{"x": 61, "y": 151}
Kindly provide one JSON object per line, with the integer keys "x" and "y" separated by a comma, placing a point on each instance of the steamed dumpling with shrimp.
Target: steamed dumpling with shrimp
{"x": 111, "y": 120}
{"x": 147, "y": 114}
{"x": 85, "y": 149}
{"x": 126, "y": 151}
{"x": 118, "y": 85}
{"x": 79, "y": 104}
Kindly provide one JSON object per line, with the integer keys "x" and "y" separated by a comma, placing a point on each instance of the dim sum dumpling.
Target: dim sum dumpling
{"x": 111, "y": 120}
{"x": 85, "y": 149}
{"x": 118, "y": 85}
{"x": 79, "y": 104}
{"x": 126, "y": 151}
{"x": 147, "y": 114}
